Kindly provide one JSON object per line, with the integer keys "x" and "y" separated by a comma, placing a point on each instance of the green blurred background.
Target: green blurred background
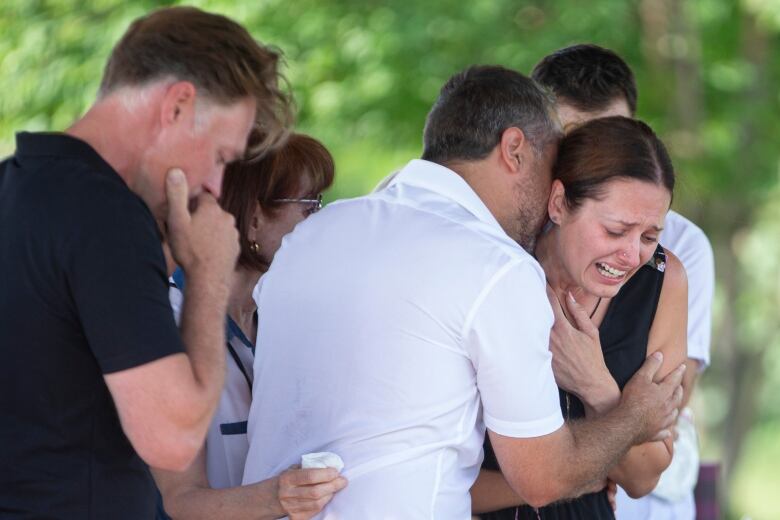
{"x": 364, "y": 74}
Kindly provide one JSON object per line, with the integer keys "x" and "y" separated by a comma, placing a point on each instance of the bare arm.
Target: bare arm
{"x": 638, "y": 472}
{"x": 297, "y": 493}
{"x": 539, "y": 469}
{"x": 187, "y": 494}
{"x": 165, "y": 406}
{"x": 491, "y": 492}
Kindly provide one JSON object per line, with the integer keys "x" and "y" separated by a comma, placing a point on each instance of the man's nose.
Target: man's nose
{"x": 213, "y": 184}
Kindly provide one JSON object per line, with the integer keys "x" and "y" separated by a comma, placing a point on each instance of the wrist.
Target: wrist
{"x": 268, "y": 499}
{"x": 207, "y": 280}
{"x": 634, "y": 415}
{"x": 602, "y": 396}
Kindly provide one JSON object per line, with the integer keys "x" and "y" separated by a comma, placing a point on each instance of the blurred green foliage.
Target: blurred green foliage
{"x": 364, "y": 74}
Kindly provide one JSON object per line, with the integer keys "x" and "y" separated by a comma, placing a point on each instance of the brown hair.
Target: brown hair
{"x": 609, "y": 148}
{"x": 214, "y": 53}
{"x": 277, "y": 175}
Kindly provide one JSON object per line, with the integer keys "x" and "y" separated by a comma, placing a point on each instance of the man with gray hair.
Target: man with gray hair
{"x": 398, "y": 326}
{"x": 96, "y": 381}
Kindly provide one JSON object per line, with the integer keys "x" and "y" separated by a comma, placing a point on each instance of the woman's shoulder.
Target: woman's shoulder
{"x": 668, "y": 332}
{"x": 675, "y": 277}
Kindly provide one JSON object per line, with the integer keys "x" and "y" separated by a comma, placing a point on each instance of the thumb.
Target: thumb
{"x": 674, "y": 378}
{"x": 580, "y": 317}
{"x": 651, "y": 366}
{"x": 177, "y": 193}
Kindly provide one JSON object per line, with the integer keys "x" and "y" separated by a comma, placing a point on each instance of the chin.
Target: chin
{"x": 603, "y": 290}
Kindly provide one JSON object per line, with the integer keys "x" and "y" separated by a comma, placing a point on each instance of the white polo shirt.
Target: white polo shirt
{"x": 394, "y": 328}
{"x": 689, "y": 243}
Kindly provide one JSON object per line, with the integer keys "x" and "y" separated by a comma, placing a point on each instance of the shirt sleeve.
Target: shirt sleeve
{"x": 697, "y": 258}
{"x": 507, "y": 338}
{"x": 116, "y": 274}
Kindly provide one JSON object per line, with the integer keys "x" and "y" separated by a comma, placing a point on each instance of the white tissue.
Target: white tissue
{"x": 324, "y": 459}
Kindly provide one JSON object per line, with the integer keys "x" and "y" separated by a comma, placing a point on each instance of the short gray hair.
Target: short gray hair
{"x": 477, "y": 105}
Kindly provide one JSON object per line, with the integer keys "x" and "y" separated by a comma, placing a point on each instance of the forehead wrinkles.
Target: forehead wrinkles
{"x": 630, "y": 211}
{"x": 634, "y": 216}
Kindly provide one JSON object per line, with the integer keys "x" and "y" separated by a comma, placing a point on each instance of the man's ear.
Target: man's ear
{"x": 178, "y": 103}
{"x": 513, "y": 149}
{"x": 556, "y": 206}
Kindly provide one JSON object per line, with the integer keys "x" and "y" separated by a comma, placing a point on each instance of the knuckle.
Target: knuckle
{"x": 311, "y": 492}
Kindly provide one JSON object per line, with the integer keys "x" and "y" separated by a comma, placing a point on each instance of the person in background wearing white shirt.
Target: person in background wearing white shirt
{"x": 397, "y": 326}
{"x": 592, "y": 82}
{"x": 268, "y": 198}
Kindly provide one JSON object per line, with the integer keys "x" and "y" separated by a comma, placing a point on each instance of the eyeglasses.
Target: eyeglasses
{"x": 312, "y": 205}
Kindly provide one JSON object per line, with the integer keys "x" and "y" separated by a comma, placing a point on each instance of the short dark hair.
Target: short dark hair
{"x": 211, "y": 51}
{"x": 277, "y": 175}
{"x": 606, "y": 149}
{"x": 474, "y": 108}
{"x": 588, "y": 77}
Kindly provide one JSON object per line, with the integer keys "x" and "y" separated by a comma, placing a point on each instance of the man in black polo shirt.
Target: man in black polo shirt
{"x": 96, "y": 381}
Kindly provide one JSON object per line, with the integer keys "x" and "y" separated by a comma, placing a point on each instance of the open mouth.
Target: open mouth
{"x": 610, "y": 272}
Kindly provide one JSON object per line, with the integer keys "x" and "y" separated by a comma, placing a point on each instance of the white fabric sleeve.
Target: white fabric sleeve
{"x": 696, "y": 255}
{"x": 506, "y": 335}
{"x": 701, "y": 286}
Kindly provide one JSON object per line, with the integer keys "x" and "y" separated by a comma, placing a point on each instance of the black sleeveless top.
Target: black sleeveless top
{"x": 624, "y": 333}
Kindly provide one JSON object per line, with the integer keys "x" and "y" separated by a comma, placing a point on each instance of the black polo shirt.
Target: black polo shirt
{"x": 83, "y": 293}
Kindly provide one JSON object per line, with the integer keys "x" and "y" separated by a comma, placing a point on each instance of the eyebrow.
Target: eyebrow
{"x": 633, "y": 224}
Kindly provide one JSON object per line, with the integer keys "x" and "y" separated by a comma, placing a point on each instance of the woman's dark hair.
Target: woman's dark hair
{"x": 277, "y": 175}
{"x": 606, "y": 149}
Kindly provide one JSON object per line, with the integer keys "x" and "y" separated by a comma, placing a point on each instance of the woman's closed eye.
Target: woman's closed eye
{"x": 616, "y": 234}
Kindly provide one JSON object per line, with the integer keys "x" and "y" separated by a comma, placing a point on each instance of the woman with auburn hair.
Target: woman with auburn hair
{"x": 617, "y": 295}
{"x": 268, "y": 198}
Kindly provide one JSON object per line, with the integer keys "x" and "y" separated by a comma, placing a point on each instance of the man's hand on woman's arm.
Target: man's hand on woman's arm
{"x": 571, "y": 460}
